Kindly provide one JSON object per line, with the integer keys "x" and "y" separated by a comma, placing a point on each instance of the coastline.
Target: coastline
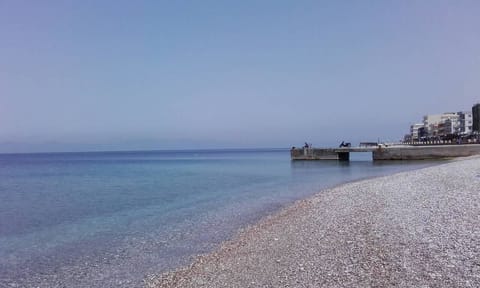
{"x": 227, "y": 192}
{"x": 409, "y": 229}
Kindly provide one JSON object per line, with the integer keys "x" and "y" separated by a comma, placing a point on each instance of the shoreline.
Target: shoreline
{"x": 374, "y": 238}
{"x": 78, "y": 254}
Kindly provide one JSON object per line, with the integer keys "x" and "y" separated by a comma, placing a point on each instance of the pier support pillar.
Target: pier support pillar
{"x": 344, "y": 156}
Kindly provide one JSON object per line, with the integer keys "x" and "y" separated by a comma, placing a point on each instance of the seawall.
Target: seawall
{"x": 397, "y": 152}
{"x": 425, "y": 152}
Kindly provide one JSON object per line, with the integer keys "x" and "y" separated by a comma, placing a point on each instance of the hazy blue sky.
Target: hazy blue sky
{"x": 95, "y": 75}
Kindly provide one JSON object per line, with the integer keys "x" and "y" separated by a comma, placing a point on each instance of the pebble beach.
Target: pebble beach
{"x": 413, "y": 229}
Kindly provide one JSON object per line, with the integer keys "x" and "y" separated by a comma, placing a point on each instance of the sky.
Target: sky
{"x": 129, "y": 75}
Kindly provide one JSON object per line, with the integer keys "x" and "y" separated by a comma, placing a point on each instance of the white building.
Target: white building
{"x": 414, "y": 131}
{"x": 430, "y": 122}
{"x": 438, "y": 125}
{"x": 442, "y": 124}
{"x": 466, "y": 122}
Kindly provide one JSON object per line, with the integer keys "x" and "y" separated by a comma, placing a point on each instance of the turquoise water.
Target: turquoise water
{"x": 108, "y": 219}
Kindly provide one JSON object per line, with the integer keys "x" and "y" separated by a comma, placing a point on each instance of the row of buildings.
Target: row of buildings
{"x": 446, "y": 126}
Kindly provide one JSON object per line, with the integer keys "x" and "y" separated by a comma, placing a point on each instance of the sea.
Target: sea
{"x": 111, "y": 219}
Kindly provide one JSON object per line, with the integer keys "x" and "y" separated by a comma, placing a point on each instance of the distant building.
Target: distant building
{"x": 476, "y": 118}
{"x": 466, "y": 122}
{"x": 451, "y": 123}
{"x": 414, "y": 131}
{"x": 422, "y": 133}
{"x": 430, "y": 122}
{"x": 446, "y": 126}
{"x": 441, "y": 124}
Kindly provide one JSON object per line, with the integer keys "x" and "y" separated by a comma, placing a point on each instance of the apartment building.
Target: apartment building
{"x": 476, "y": 118}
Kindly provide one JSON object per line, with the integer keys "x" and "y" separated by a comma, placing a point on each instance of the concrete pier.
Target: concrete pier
{"x": 397, "y": 152}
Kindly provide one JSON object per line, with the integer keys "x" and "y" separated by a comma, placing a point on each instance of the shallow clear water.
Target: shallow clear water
{"x": 109, "y": 219}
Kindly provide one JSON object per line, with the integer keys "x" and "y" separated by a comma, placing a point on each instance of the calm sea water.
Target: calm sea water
{"x": 109, "y": 219}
